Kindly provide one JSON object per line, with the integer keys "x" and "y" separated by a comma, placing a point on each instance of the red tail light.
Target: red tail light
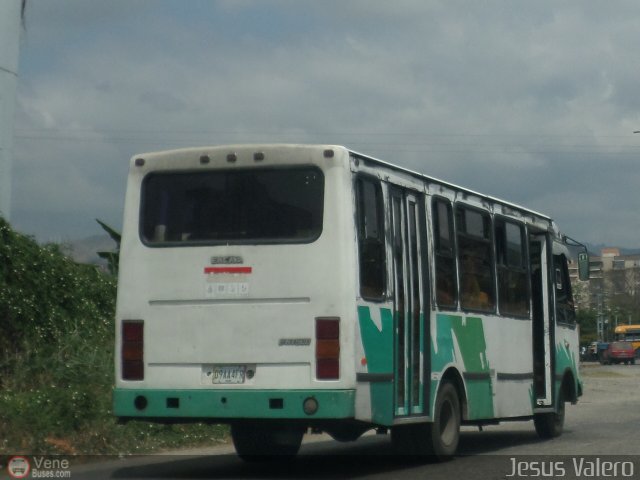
{"x": 132, "y": 353}
{"x": 328, "y": 348}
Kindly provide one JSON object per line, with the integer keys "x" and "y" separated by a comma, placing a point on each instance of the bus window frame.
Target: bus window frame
{"x": 233, "y": 242}
{"x": 382, "y": 230}
{"x": 567, "y": 288}
{"x": 492, "y": 261}
{"x": 526, "y": 264}
{"x": 435, "y": 228}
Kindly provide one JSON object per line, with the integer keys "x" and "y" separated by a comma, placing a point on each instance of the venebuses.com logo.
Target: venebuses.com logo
{"x": 18, "y": 467}
{"x": 38, "y": 467}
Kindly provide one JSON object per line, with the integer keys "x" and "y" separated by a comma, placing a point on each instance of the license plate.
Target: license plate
{"x": 228, "y": 374}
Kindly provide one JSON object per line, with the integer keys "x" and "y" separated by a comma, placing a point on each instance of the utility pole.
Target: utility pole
{"x": 600, "y": 328}
{"x": 11, "y": 12}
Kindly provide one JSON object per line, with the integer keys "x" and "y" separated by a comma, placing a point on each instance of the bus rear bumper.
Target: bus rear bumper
{"x": 231, "y": 404}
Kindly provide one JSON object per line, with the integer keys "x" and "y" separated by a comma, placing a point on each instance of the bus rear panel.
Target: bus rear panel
{"x": 235, "y": 286}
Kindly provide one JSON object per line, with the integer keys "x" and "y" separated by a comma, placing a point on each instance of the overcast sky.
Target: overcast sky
{"x": 534, "y": 102}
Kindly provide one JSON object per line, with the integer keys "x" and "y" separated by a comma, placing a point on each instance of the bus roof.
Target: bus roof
{"x": 454, "y": 187}
{"x": 627, "y": 328}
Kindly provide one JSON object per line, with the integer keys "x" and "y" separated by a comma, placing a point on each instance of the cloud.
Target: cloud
{"x": 532, "y": 102}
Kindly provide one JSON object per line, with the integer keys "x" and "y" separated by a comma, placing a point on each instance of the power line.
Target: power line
{"x": 269, "y": 132}
{"x": 535, "y": 148}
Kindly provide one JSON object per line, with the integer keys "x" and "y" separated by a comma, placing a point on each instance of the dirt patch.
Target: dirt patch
{"x": 609, "y": 383}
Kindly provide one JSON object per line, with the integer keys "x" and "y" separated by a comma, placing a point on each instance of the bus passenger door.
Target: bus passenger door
{"x": 409, "y": 305}
{"x": 542, "y": 320}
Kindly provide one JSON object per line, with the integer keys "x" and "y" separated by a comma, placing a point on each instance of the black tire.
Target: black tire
{"x": 264, "y": 441}
{"x": 550, "y": 425}
{"x": 445, "y": 429}
{"x": 437, "y": 440}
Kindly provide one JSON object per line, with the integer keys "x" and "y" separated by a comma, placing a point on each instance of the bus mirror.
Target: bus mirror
{"x": 583, "y": 266}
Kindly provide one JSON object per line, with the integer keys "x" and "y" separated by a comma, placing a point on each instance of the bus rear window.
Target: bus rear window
{"x": 232, "y": 206}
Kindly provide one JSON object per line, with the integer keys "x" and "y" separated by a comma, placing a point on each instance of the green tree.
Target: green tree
{"x": 588, "y": 321}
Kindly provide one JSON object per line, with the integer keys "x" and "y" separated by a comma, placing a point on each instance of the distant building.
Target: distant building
{"x": 613, "y": 289}
{"x": 10, "y": 25}
{"x": 582, "y": 291}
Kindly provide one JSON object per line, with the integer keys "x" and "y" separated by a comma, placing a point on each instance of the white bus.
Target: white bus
{"x": 279, "y": 288}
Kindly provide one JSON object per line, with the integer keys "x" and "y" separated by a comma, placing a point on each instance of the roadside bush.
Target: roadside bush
{"x": 56, "y": 358}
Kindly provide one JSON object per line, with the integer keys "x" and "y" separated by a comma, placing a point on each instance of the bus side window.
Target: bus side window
{"x": 371, "y": 239}
{"x": 513, "y": 291}
{"x": 565, "y": 312}
{"x": 445, "y": 262}
{"x": 473, "y": 230}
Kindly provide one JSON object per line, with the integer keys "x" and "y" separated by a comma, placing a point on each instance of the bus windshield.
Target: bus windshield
{"x": 628, "y": 334}
{"x": 232, "y": 206}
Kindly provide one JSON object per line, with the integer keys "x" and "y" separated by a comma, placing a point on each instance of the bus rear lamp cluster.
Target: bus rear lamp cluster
{"x": 328, "y": 348}
{"x": 132, "y": 353}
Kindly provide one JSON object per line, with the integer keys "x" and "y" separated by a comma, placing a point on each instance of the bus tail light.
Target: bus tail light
{"x": 328, "y": 348}
{"x": 132, "y": 353}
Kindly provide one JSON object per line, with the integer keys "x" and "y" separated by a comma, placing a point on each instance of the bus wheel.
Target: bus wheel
{"x": 445, "y": 429}
{"x": 550, "y": 425}
{"x": 262, "y": 441}
{"x": 439, "y": 439}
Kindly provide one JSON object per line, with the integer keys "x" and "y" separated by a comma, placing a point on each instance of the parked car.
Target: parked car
{"x": 618, "y": 352}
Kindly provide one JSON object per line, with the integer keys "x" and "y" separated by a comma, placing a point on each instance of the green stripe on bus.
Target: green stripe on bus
{"x": 230, "y": 404}
{"x": 378, "y": 348}
{"x": 470, "y": 338}
{"x": 566, "y": 360}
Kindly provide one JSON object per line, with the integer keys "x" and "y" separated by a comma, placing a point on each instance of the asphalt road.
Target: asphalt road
{"x": 604, "y": 424}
